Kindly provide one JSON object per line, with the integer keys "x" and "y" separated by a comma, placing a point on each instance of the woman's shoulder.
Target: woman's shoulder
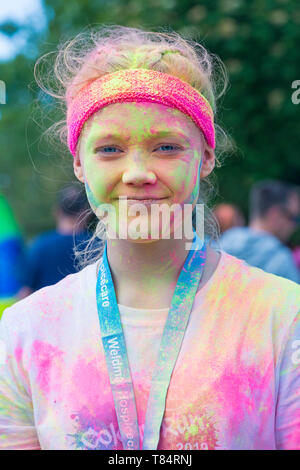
{"x": 52, "y": 301}
{"x": 238, "y": 270}
{"x": 258, "y": 287}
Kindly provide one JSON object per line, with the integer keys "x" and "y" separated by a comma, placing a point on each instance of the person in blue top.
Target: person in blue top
{"x": 51, "y": 255}
{"x": 274, "y": 214}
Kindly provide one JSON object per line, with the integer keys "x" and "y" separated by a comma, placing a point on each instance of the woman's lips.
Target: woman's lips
{"x": 146, "y": 202}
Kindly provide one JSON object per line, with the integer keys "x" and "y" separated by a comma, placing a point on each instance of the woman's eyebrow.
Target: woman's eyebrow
{"x": 167, "y": 133}
{"x": 146, "y": 136}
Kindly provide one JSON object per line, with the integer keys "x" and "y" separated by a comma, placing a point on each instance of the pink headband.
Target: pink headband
{"x": 138, "y": 85}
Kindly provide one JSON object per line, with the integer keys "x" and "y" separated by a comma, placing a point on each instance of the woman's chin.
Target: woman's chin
{"x": 140, "y": 237}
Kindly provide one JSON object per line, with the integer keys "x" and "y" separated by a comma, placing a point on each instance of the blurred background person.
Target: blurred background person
{"x": 296, "y": 255}
{"x": 294, "y": 245}
{"x": 228, "y": 216}
{"x": 274, "y": 209}
{"x": 51, "y": 255}
{"x": 11, "y": 252}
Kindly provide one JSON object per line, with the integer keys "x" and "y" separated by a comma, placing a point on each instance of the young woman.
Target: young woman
{"x": 161, "y": 342}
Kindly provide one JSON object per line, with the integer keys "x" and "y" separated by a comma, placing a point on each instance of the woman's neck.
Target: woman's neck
{"x": 151, "y": 269}
{"x": 145, "y": 274}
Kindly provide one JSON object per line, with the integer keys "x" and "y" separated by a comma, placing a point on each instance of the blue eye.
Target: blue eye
{"x": 168, "y": 148}
{"x": 109, "y": 149}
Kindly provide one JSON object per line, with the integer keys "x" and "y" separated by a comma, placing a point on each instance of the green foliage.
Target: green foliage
{"x": 258, "y": 42}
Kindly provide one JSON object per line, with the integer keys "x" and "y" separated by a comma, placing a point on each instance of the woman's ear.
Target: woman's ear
{"x": 78, "y": 169}
{"x": 208, "y": 162}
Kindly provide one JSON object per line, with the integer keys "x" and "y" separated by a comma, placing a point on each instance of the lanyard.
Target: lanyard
{"x": 116, "y": 355}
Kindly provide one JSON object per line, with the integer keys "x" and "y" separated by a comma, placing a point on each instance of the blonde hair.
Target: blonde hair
{"x": 105, "y": 49}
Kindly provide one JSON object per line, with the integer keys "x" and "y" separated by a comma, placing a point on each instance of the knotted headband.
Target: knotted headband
{"x": 138, "y": 85}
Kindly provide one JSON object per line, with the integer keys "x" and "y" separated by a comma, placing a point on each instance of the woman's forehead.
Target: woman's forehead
{"x": 140, "y": 118}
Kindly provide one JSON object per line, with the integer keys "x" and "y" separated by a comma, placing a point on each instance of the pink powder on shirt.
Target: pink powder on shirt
{"x": 45, "y": 357}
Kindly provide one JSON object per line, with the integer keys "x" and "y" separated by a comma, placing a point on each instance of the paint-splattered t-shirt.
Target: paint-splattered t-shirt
{"x": 235, "y": 385}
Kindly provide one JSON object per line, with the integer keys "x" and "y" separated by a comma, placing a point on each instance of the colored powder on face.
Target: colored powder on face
{"x": 91, "y": 198}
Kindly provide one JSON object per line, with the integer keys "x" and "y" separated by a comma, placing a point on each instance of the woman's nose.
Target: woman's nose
{"x": 137, "y": 173}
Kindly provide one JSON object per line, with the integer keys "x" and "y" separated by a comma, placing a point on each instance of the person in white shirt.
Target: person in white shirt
{"x": 161, "y": 342}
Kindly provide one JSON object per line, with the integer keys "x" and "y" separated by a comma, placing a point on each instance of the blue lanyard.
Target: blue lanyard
{"x": 116, "y": 354}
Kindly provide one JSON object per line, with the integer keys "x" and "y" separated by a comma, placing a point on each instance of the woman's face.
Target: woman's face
{"x": 144, "y": 151}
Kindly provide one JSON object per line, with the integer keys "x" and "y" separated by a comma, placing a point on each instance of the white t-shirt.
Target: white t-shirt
{"x": 235, "y": 385}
